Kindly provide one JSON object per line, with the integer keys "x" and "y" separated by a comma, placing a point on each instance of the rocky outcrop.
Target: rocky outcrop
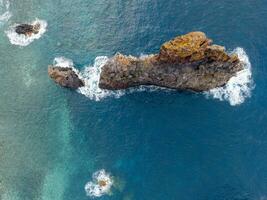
{"x": 27, "y": 29}
{"x": 65, "y": 77}
{"x": 188, "y": 62}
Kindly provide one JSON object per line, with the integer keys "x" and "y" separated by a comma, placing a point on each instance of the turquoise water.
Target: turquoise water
{"x": 157, "y": 145}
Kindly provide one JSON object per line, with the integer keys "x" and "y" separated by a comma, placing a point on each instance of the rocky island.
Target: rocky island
{"x": 188, "y": 62}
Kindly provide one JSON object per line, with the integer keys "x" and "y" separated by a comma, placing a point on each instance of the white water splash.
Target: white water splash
{"x": 238, "y": 87}
{"x": 5, "y": 14}
{"x": 23, "y": 40}
{"x": 91, "y": 77}
{"x": 100, "y": 185}
{"x": 63, "y": 62}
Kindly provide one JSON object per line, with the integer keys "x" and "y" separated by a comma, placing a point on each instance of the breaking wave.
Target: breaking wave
{"x": 238, "y": 87}
{"x": 100, "y": 185}
{"x": 23, "y": 40}
{"x": 5, "y": 14}
{"x": 91, "y": 76}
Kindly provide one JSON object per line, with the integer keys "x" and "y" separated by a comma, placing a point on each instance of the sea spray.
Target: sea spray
{"x": 100, "y": 185}
{"x": 91, "y": 77}
{"x": 23, "y": 40}
{"x": 63, "y": 62}
{"x": 239, "y": 87}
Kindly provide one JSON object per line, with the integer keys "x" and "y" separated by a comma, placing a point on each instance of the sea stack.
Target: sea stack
{"x": 65, "y": 77}
{"x": 188, "y": 62}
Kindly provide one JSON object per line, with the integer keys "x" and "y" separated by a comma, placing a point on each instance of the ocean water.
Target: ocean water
{"x": 148, "y": 143}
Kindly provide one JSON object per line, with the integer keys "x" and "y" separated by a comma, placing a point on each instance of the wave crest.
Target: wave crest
{"x": 23, "y": 40}
{"x": 238, "y": 87}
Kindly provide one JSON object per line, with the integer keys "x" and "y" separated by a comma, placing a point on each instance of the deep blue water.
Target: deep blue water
{"x": 158, "y": 145}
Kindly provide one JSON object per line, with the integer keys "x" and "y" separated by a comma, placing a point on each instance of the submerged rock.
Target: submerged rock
{"x": 188, "y": 62}
{"x": 27, "y": 29}
{"x": 65, "y": 77}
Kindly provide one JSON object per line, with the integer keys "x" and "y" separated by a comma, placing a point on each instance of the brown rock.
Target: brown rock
{"x": 188, "y": 62}
{"x": 65, "y": 77}
{"x": 102, "y": 183}
{"x": 180, "y": 49}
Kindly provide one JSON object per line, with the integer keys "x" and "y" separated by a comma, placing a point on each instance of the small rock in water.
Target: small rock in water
{"x": 28, "y": 29}
{"x": 65, "y": 77}
{"x": 100, "y": 185}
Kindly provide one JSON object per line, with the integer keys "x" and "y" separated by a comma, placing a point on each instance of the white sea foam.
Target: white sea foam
{"x": 63, "y": 62}
{"x": 5, "y": 14}
{"x": 23, "y": 40}
{"x": 91, "y": 76}
{"x": 238, "y": 87}
{"x": 100, "y": 185}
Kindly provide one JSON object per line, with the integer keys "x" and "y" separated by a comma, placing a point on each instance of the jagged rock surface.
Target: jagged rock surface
{"x": 188, "y": 62}
{"x": 65, "y": 77}
{"x": 27, "y": 29}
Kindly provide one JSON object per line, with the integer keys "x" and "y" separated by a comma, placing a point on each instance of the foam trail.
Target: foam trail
{"x": 5, "y": 14}
{"x": 23, "y": 40}
{"x": 238, "y": 87}
{"x": 100, "y": 185}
